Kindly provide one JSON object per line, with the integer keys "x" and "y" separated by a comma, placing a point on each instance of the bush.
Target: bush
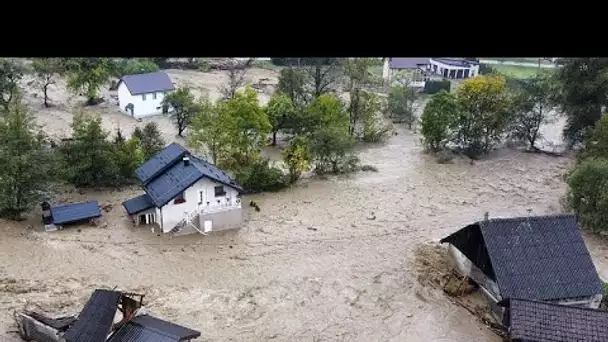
{"x": 133, "y": 66}
{"x": 261, "y": 176}
{"x": 433, "y": 87}
{"x": 439, "y": 120}
{"x": 588, "y": 193}
{"x": 297, "y": 157}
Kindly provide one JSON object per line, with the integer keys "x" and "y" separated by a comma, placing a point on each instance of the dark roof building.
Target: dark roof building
{"x": 171, "y": 172}
{"x": 95, "y": 321}
{"x": 408, "y": 63}
{"x": 146, "y": 328}
{"x": 147, "y": 83}
{"x": 75, "y": 212}
{"x": 533, "y": 321}
{"x": 537, "y": 258}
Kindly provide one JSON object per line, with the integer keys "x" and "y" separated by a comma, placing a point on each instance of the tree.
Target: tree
{"x": 297, "y": 157}
{"x": 127, "y": 156}
{"x": 211, "y": 131}
{"x": 532, "y": 107}
{"x": 292, "y": 83}
{"x": 588, "y": 193}
{"x": 87, "y": 158}
{"x": 329, "y": 146}
{"x": 439, "y": 120}
{"x": 184, "y": 108}
{"x": 327, "y": 110}
{"x": 373, "y": 127}
{"x": 280, "y": 110}
{"x": 357, "y": 72}
{"x": 323, "y": 73}
{"x": 10, "y": 75}
{"x": 134, "y": 66}
{"x": 149, "y": 139}
{"x": 583, "y": 90}
{"x": 485, "y": 112}
{"x": 402, "y": 104}
{"x": 236, "y": 78}
{"x": 26, "y": 162}
{"x": 88, "y": 75}
{"x": 46, "y": 69}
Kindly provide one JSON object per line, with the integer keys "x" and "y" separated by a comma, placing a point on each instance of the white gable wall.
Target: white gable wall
{"x": 149, "y": 106}
{"x": 172, "y": 213}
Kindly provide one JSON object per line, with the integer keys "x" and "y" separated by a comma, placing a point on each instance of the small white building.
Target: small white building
{"x": 454, "y": 68}
{"x": 415, "y": 68}
{"x": 143, "y": 94}
{"x": 185, "y": 194}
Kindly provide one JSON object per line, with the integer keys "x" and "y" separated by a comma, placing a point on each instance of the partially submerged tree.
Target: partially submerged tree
{"x": 297, "y": 157}
{"x": 26, "y": 162}
{"x": 533, "y": 105}
{"x": 10, "y": 74}
{"x": 184, "y": 108}
{"x": 322, "y": 73}
{"x": 357, "y": 73}
{"x": 588, "y": 193}
{"x": 292, "y": 83}
{"x": 210, "y": 131}
{"x": 149, "y": 139}
{"x": 46, "y": 70}
{"x": 236, "y": 78}
{"x": 88, "y": 75}
{"x": 373, "y": 127}
{"x": 485, "y": 104}
{"x": 281, "y": 111}
{"x": 439, "y": 120}
{"x": 127, "y": 156}
{"x": 402, "y": 104}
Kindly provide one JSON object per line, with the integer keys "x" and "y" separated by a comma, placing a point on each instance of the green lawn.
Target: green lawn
{"x": 516, "y": 70}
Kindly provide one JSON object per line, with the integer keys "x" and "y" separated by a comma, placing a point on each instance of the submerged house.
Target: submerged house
{"x": 143, "y": 94}
{"x": 97, "y": 322}
{"x": 185, "y": 194}
{"x": 541, "y": 258}
{"x": 533, "y": 321}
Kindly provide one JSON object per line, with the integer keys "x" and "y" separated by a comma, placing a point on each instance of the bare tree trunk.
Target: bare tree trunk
{"x": 46, "y": 96}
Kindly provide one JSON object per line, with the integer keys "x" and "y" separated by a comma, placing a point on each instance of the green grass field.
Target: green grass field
{"x": 517, "y": 71}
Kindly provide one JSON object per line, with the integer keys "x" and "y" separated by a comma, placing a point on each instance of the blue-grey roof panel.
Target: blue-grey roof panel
{"x": 408, "y": 63}
{"x": 161, "y": 161}
{"x": 165, "y": 328}
{"x": 75, "y": 212}
{"x": 95, "y": 320}
{"x": 454, "y": 61}
{"x": 138, "y": 204}
{"x": 214, "y": 173}
{"x": 148, "y": 83}
{"x": 136, "y": 333}
{"x": 171, "y": 183}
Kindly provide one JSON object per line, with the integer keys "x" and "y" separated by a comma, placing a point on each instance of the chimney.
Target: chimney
{"x": 486, "y": 216}
{"x": 186, "y": 160}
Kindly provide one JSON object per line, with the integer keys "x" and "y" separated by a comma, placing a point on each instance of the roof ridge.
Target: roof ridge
{"x": 522, "y": 218}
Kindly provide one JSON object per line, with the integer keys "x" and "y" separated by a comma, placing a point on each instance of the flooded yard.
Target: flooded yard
{"x": 327, "y": 260}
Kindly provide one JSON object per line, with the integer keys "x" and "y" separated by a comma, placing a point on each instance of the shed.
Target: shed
{"x": 145, "y": 328}
{"x": 60, "y": 215}
{"x": 143, "y": 94}
{"x": 94, "y": 322}
{"x": 537, "y": 258}
{"x": 534, "y": 321}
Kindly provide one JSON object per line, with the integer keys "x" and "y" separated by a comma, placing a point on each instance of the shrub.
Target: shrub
{"x": 261, "y": 176}
{"x": 297, "y": 157}
{"x": 433, "y": 87}
{"x": 588, "y": 193}
{"x": 439, "y": 120}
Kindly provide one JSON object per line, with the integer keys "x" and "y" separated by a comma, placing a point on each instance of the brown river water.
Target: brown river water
{"x": 312, "y": 265}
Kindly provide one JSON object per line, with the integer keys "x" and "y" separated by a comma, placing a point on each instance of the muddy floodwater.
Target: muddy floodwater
{"x": 328, "y": 260}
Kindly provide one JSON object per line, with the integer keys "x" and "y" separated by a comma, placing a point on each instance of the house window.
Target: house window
{"x": 200, "y": 197}
{"x": 153, "y": 96}
{"x": 219, "y": 191}
{"x": 143, "y": 97}
{"x": 181, "y": 198}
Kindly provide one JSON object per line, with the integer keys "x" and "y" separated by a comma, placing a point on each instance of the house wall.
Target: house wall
{"x": 222, "y": 220}
{"x": 149, "y": 106}
{"x": 171, "y": 214}
{"x": 473, "y": 70}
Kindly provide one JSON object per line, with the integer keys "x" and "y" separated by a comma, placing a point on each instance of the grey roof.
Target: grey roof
{"x": 455, "y": 61}
{"x": 75, "y": 212}
{"x": 539, "y": 258}
{"x": 547, "y": 322}
{"x": 148, "y": 83}
{"x": 95, "y": 320}
{"x": 408, "y": 63}
{"x": 166, "y": 175}
{"x": 138, "y": 204}
{"x": 160, "y": 162}
{"x": 147, "y": 328}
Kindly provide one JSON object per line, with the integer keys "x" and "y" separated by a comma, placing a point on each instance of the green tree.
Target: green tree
{"x": 401, "y": 104}
{"x": 297, "y": 157}
{"x": 329, "y": 146}
{"x": 127, "y": 156}
{"x": 134, "y": 66}
{"x": 533, "y": 104}
{"x": 292, "y": 83}
{"x": 10, "y": 75}
{"x": 211, "y": 131}
{"x": 46, "y": 70}
{"x": 373, "y": 127}
{"x": 583, "y": 90}
{"x": 596, "y": 145}
{"x": 281, "y": 111}
{"x": 323, "y": 111}
{"x": 87, "y": 158}
{"x": 588, "y": 193}
{"x": 88, "y": 75}
{"x": 150, "y": 139}
{"x": 358, "y": 75}
{"x": 439, "y": 120}
{"x": 26, "y": 162}
{"x": 184, "y": 107}
{"x": 322, "y": 73}
{"x": 485, "y": 104}
{"x": 261, "y": 175}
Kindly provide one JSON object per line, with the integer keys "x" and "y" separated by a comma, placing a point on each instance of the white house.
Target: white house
{"x": 185, "y": 194}
{"x": 142, "y": 95}
{"x": 422, "y": 69}
{"x": 453, "y": 68}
